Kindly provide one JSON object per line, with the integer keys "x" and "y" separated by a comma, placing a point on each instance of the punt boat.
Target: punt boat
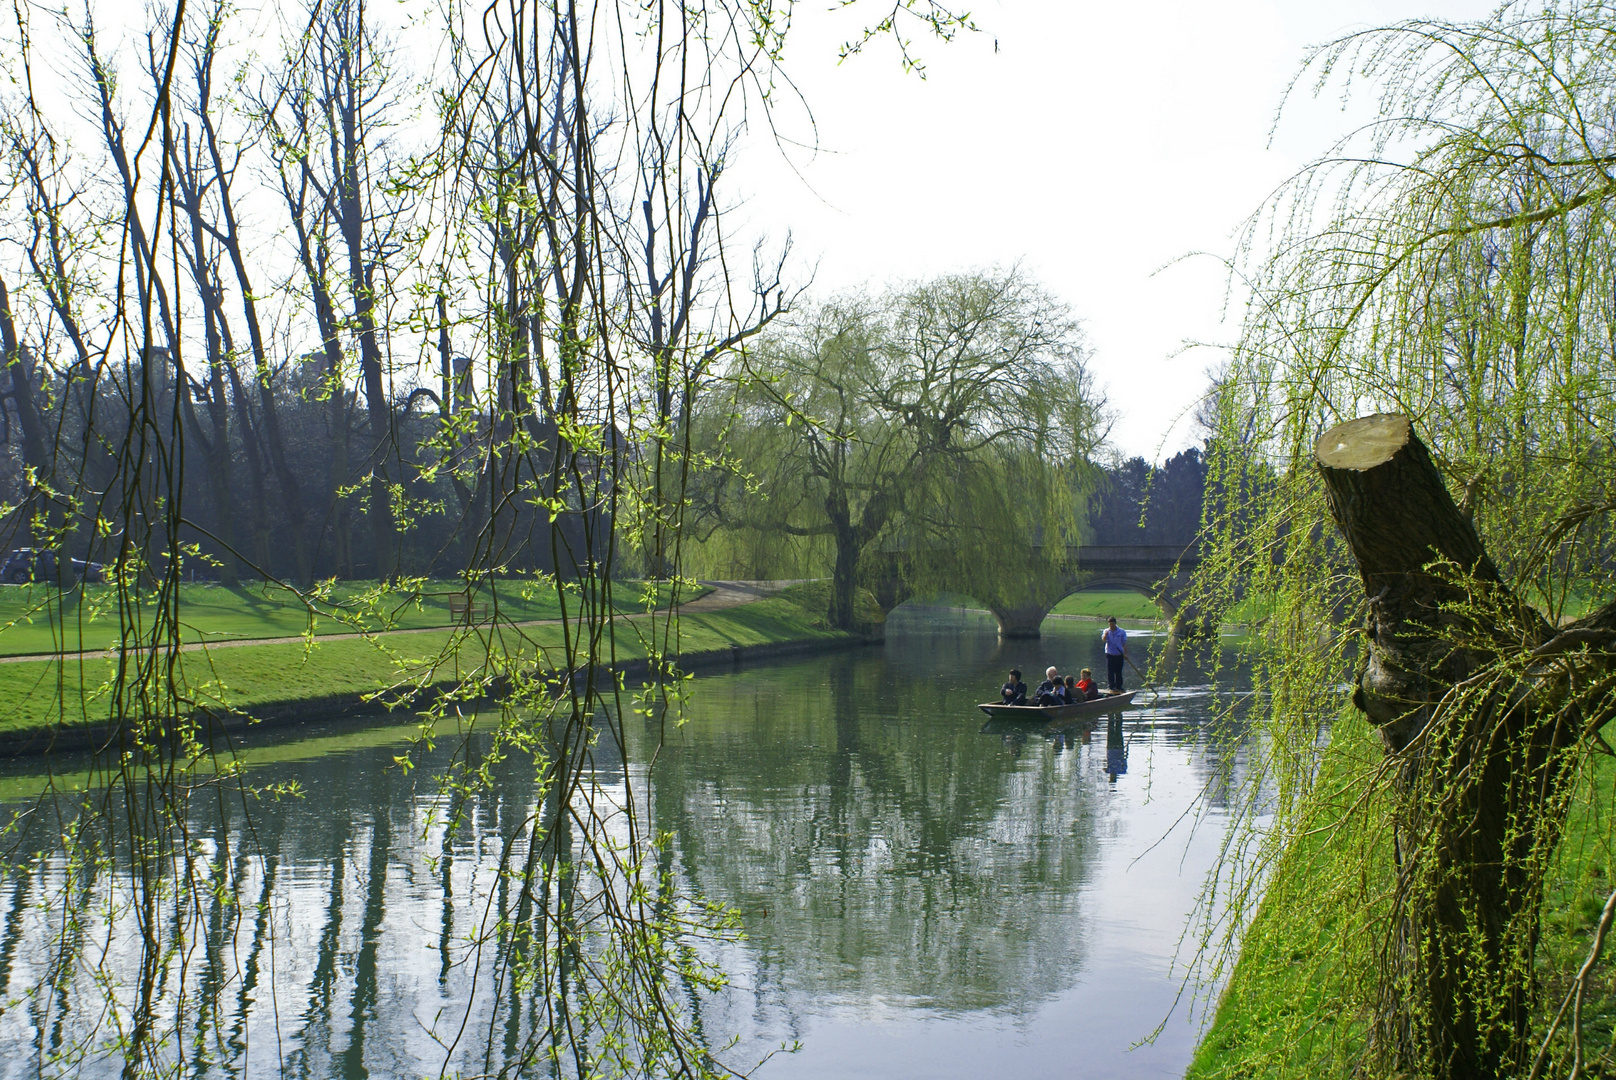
{"x": 1075, "y": 711}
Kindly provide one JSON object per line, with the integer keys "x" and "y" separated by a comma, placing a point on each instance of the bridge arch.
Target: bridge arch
{"x": 1150, "y": 590}
{"x": 1026, "y": 621}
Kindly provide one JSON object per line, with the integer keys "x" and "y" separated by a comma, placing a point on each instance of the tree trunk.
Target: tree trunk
{"x": 352, "y": 215}
{"x": 1397, "y": 516}
{"x": 383, "y": 449}
{"x": 844, "y": 579}
{"x": 215, "y": 443}
{"x": 286, "y": 481}
{"x": 1480, "y": 792}
{"x": 23, "y": 371}
{"x": 338, "y": 429}
{"x": 446, "y": 402}
{"x": 259, "y": 501}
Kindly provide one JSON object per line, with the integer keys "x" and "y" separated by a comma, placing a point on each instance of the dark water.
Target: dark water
{"x": 924, "y": 894}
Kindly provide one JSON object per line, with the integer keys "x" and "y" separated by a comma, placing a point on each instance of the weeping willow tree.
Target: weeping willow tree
{"x": 1412, "y": 480}
{"x": 936, "y": 437}
{"x": 995, "y": 519}
{"x": 548, "y": 255}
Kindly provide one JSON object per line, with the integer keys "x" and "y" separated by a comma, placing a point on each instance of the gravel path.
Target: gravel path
{"x": 728, "y": 594}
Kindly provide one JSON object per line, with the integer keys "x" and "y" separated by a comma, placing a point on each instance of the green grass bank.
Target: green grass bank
{"x": 36, "y": 620}
{"x": 1125, "y": 604}
{"x": 1096, "y": 604}
{"x": 1298, "y": 1000}
{"x": 66, "y": 699}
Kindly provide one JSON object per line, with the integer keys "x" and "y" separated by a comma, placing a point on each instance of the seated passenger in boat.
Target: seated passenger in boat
{"x": 1072, "y": 694}
{"x": 1014, "y": 692}
{"x": 1086, "y": 687}
{"x": 1049, "y": 690}
{"x": 1051, "y": 681}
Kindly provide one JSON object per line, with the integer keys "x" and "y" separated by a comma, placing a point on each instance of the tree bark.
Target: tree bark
{"x": 24, "y": 374}
{"x": 844, "y": 578}
{"x": 1397, "y": 517}
{"x": 1480, "y": 792}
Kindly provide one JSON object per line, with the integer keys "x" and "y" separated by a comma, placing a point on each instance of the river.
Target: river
{"x": 923, "y": 894}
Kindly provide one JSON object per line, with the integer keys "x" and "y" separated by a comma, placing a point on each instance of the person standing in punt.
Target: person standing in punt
{"x": 1115, "y": 640}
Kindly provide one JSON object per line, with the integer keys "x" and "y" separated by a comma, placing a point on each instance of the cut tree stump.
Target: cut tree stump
{"x": 1398, "y": 518}
{"x": 1480, "y": 772}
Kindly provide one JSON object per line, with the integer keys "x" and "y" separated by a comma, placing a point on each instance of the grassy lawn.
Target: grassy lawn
{"x": 1102, "y": 604}
{"x": 1298, "y": 1000}
{"x": 36, "y": 694}
{"x": 36, "y": 620}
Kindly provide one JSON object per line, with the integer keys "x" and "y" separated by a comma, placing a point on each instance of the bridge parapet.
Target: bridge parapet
{"x": 1160, "y": 571}
{"x": 1162, "y": 558}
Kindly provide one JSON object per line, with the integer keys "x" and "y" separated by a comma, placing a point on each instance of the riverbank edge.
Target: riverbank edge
{"x": 38, "y": 742}
{"x": 1282, "y": 1011}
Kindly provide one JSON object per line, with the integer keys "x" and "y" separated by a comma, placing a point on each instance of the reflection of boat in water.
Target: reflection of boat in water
{"x": 1020, "y": 728}
{"x": 1078, "y": 710}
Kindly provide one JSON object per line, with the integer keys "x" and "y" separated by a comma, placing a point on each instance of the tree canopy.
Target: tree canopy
{"x": 915, "y": 433}
{"x": 1143, "y": 504}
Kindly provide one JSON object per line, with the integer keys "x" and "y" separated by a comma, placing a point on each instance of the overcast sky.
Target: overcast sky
{"x": 1097, "y": 144}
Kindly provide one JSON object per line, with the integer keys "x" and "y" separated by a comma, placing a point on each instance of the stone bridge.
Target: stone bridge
{"x": 1159, "y": 571}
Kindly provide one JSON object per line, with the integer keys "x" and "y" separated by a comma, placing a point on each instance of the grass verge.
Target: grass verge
{"x": 38, "y": 695}
{"x": 1298, "y": 1001}
{"x": 37, "y": 620}
{"x": 1102, "y": 604}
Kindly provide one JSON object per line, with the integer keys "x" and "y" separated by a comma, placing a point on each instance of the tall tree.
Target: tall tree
{"x": 1454, "y": 269}
{"x": 1141, "y": 504}
{"x": 939, "y": 421}
{"x": 327, "y": 112}
{"x": 219, "y": 160}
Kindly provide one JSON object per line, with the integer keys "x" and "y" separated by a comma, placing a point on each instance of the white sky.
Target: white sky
{"x": 1095, "y": 143}
{"x": 1098, "y": 144}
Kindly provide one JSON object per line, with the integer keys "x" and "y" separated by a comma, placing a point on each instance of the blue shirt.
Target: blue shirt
{"x": 1115, "y": 639}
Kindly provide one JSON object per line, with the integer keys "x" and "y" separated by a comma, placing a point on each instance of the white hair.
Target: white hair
{"x": 1050, "y": 674}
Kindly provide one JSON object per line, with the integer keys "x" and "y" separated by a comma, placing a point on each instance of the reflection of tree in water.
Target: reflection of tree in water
{"x": 1202, "y": 714}
{"x": 348, "y": 902}
{"x": 899, "y": 853}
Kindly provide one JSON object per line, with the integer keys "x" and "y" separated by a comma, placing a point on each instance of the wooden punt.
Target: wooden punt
{"x": 1075, "y": 711}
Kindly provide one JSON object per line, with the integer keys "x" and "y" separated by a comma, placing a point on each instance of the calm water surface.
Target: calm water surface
{"x": 924, "y": 894}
